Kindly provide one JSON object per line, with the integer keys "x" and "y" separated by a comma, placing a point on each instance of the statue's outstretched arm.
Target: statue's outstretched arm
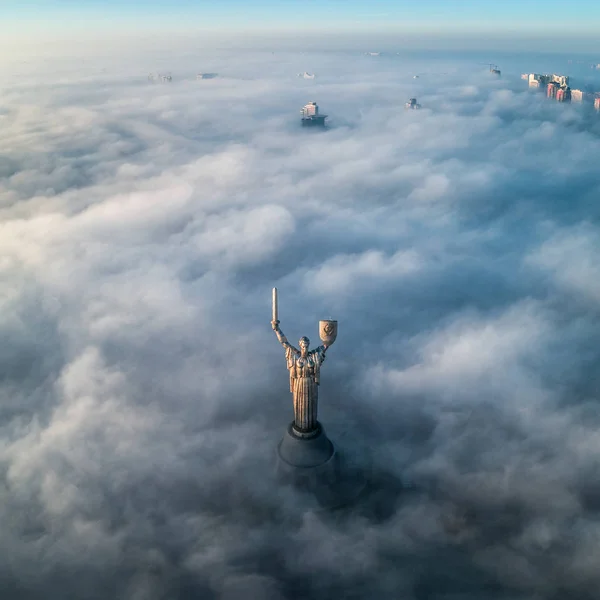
{"x": 321, "y": 352}
{"x": 280, "y": 335}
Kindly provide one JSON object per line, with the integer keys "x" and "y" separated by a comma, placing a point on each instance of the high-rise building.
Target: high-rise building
{"x": 577, "y": 95}
{"x": 597, "y": 103}
{"x": 551, "y": 90}
{"x": 562, "y": 80}
{"x": 310, "y": 110}
{"x": 537, "y": 80}
{"x": 159, "y": 77}
{"x": 310, "y": 115}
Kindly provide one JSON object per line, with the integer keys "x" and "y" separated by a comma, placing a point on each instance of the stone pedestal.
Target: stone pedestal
{"x": 311, "y": 463}
{"x": 306, "y": 458}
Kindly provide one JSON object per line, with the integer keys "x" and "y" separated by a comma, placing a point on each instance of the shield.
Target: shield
{"x": 328, "y": 331}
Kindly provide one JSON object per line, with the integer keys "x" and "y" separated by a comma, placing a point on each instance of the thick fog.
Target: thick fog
{"x": 143, "y": 392}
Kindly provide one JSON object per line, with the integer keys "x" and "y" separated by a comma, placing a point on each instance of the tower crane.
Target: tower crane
{"x": 493, "y": 68}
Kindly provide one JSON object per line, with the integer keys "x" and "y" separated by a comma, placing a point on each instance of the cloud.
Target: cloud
{"x": 143, "y": 393}
{"x": 570, "y": 258}
{"x": 341, "y": 274}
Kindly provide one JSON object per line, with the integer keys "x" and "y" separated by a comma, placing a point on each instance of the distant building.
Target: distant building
{"x": 525, "y": 76}
{"x": 206, "y": 75}
{"x": 412, "y": 104}
{"x": 159, "y": 77}
{"x": 562, "y": 80}
{"x": 551, "y": 90}
{"x": 537, "y": 80}
{"x": 597, "y": 103}
{"x": 561, "y": 95}
{"x": 577, "y": 95}
{"x": 311, "y": 117}
{"x": 306, "y": 75}
{"x": 310, "y": 110}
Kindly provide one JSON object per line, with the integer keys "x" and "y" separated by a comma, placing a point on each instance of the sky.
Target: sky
{"x": 143, "y": 392}
{"x": 263, "y": 20}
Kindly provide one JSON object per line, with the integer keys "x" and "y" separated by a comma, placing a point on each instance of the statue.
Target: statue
{"x": 304, "y": 366}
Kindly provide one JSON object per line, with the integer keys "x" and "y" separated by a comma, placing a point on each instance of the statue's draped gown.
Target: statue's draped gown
{"x": 304, "y": 382}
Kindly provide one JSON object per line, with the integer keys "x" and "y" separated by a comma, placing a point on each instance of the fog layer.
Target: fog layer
{"x": 142, "y": 391}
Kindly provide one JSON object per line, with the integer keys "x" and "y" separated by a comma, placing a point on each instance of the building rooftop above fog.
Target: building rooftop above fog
{"x": 159, "y": 76}
{"x": 412, "y": 104}
{"x": 310, "y": 115}
{"x": 538, "y": 80}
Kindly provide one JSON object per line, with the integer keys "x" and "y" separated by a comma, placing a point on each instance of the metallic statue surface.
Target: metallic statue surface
{"x": 304, "y": 366}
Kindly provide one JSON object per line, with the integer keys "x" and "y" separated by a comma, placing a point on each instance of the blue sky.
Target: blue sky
{"x": 509, "y": 17}
{"x": 451, "y": 14}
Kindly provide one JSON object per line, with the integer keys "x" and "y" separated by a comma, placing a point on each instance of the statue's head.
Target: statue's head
{"x": 304, "y": 343}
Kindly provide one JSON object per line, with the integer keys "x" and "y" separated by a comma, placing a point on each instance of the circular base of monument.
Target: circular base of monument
{"x": 326, "y": 478}
{"x": 305, "y": 450}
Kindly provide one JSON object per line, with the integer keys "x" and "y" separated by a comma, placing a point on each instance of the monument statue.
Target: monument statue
{"x": 306, "y": 457}
{"x": 304, "y": 366}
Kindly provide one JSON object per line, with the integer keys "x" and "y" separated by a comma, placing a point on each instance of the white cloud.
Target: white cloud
{"x": 141, "y": 389}
{"x": 344, "y": 274}
{"x": 571, "y": 258}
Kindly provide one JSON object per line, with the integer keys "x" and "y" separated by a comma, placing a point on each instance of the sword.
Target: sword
{"x": 275, "y": 307}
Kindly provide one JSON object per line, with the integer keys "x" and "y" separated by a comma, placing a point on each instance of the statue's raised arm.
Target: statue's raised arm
{"x": 281, "y": 337}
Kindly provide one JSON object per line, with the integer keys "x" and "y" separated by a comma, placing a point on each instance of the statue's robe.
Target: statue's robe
{"x": 304, "y": 382}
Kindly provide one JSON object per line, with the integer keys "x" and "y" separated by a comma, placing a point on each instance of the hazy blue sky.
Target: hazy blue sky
{"x": 448, "y": 15}
{"x": 521, "y": 25}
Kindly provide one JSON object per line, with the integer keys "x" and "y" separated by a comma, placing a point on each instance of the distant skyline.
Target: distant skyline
{"x": 578, "y": 20}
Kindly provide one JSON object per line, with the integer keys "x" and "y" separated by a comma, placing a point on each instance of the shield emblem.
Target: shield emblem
{"x": 328, "y": 331}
